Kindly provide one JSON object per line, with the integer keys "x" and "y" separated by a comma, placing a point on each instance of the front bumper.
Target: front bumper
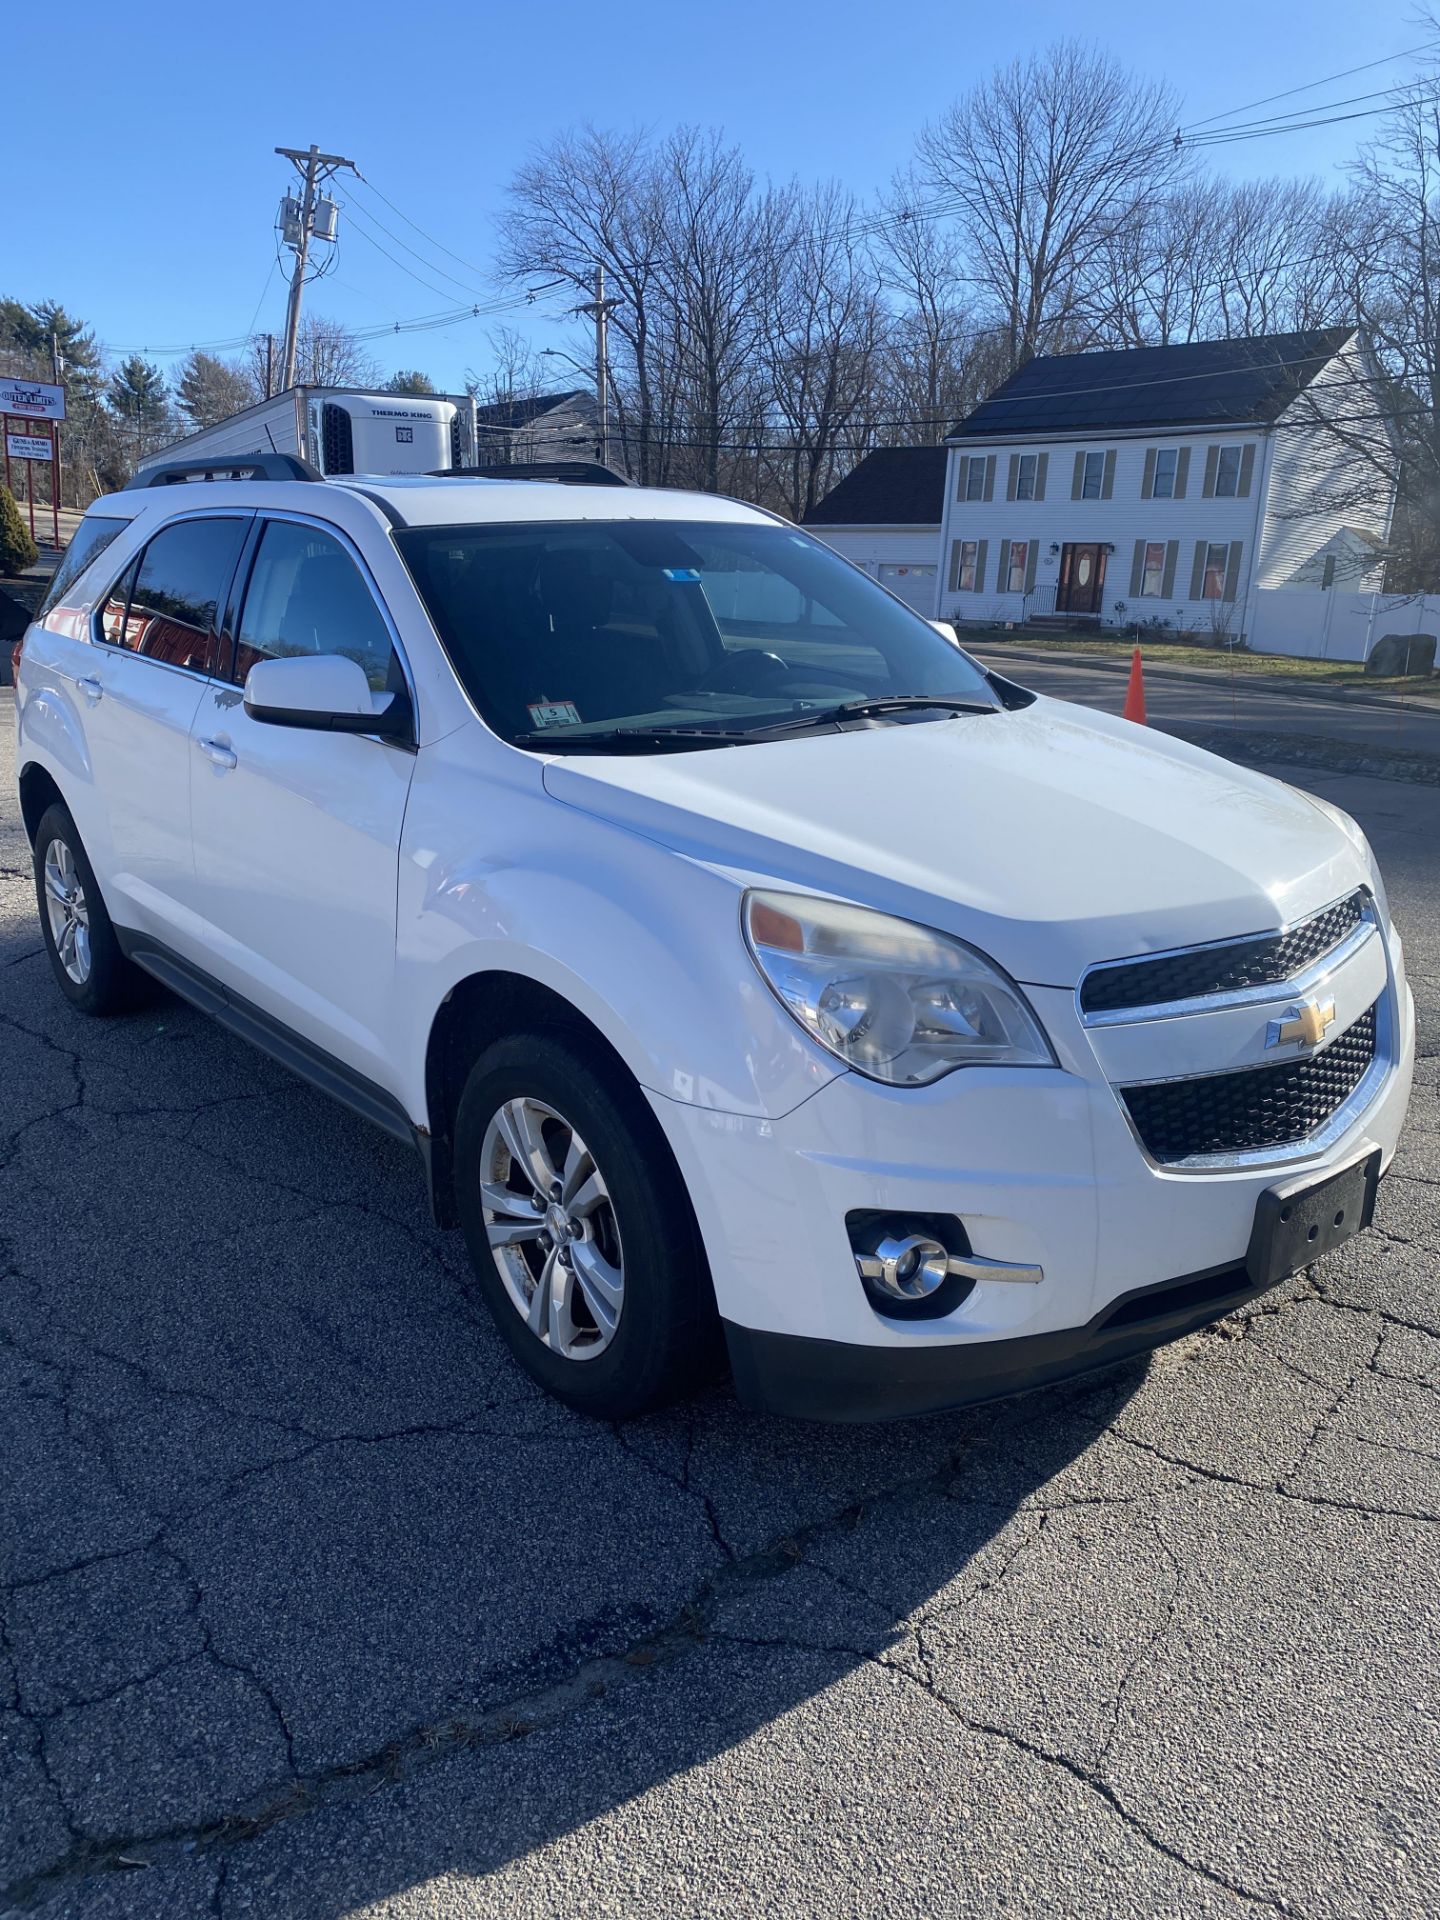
{"x": 1041, "y": 1168}
{"x": 832, "y": 1380}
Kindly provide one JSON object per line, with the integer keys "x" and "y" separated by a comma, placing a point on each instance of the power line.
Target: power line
{"x": 1264, "y": 132}
{"x": 401, "y": 214}
{"x": 1310, "y": 85}
{"x": 354, "y": 206}
{"x": 409, "y": 272}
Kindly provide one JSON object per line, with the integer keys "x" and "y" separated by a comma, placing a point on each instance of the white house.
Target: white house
{"x": 1167, "y": 483}
{"x": 885, "y": 516}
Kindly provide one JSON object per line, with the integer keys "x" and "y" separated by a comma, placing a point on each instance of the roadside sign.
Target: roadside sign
{"x": 29, "y": 446}
{"x": 34, "y": 398}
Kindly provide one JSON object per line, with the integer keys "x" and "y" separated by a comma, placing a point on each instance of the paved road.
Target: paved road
{"x": 1219, "y": 703}
{"x": 313, "y": 1607}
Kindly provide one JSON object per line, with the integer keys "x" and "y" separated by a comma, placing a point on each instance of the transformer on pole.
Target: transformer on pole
{"x": 301, "y": 221}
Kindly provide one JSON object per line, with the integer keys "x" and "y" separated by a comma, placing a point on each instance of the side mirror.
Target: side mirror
{"x": 327, "y": 692}
{"x": 946, "y": 631}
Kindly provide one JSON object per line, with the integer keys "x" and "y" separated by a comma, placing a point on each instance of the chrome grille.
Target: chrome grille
{"x": 1256, "y": 1108}
{"x": 1269, "y": 959}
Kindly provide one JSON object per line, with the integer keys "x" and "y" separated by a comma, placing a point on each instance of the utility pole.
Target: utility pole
{"x": 313, "y": 167}
{"x": 601, "y": 308}
{"x": 269, "y": 365}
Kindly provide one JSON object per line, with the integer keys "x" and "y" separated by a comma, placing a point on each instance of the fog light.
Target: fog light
{"x": 905, "y": 1267}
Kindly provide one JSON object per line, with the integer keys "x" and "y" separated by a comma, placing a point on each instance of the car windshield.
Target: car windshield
{"x": 606, "y": 632}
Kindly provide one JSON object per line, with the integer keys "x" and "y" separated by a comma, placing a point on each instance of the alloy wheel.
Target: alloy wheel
{"x": 552, "y": 1229}
{"x": 68, "y": 913}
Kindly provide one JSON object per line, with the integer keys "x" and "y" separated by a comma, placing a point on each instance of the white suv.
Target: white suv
{"x": 741, "y": 957}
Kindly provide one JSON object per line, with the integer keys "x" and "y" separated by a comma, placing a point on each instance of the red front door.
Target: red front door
{"x": 1082, "y": 578}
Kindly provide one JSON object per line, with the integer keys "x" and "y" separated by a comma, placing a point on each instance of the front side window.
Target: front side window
{"x": 1213, "y": 585}
{"x": 1015, "y": 573}
{"x": 606, "y": 628}
{"x": 1152, "y": 578}
{"x": 173, "y": 597}
{"x": 1092, "y": 477}
{"x": 1163, "y": 485}
{"x": 1025, "y": 477}
{"x": 306, "y": 595}
{"x": 968, "y": 552}
{"x": 1227, "y": 473}
{"x": 975, "y": 479}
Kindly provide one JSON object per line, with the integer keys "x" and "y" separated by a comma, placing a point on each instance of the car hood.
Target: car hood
{"x": 1051, "y": 836}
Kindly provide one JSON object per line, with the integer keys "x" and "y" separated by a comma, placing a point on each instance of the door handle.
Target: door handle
{"x": 212, "y": 749}
{"x": 92, "y": 689}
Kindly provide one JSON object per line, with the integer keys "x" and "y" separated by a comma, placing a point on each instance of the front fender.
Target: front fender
{"x": 644, "y": 942}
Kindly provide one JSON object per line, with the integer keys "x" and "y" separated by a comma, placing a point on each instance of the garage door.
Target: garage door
{"x": 915, "y": 585}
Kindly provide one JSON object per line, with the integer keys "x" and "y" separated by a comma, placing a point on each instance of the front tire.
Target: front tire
{"x": 579, "y": 1228}
{"x": 85, "y": 957}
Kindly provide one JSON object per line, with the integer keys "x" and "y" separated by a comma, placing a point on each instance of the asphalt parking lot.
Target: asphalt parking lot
{"x": 312, "y": 1606}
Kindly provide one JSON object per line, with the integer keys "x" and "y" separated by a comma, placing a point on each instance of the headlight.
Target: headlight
{"x": 898, "y": 1002}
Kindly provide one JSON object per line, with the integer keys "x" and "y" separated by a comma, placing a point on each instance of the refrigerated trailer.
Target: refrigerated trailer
{"x": 342, "y": 430}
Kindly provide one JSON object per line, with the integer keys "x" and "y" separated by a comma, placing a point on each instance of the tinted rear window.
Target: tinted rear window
{"x": 89, "y": 540}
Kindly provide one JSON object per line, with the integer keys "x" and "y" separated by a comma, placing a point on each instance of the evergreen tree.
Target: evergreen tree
{"x": 138, "y": 399}
{"x": 210, "y": 390}
{"x": 17, "y": 550}
{"x": 410, "y": 380}
{"x": 38, "y": 330}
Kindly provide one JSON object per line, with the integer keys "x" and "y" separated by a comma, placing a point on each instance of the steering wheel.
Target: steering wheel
{"x": 743, "y": 669}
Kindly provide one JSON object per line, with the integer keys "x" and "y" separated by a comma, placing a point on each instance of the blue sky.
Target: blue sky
{"x": 150, "y": 212}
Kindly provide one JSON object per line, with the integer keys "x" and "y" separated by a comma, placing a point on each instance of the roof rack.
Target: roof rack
{"x": 235, "y": 466}
{"x": 570, "y": 473}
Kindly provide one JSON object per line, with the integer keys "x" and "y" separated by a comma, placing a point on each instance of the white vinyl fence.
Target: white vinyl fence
{"x": 1334, "y": 625}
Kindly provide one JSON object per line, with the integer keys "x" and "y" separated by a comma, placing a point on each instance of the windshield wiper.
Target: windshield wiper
{"x": 875, "y": 704}
{"x": 561, "y": 739}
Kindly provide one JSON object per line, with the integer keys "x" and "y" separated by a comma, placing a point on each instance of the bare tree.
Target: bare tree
{"x": 592, "y": 199}
{"x": 328, "y": 354}
{"x": 1389, "y": 251}
{"x": 719, "y": 243}
{"x": 940, "y": 357}
{"x": 1044, "y": 160}
{"x": 822, "y": 344}
{"x": 1156, "y": 283}
{"x": 516, "y": 371}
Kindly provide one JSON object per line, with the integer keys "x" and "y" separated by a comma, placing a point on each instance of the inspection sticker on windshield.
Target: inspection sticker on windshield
{"x": 554, "y": 713}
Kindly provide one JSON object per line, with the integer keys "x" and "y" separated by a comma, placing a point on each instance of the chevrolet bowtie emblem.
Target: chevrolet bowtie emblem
{"x": 1303, "y": 1026}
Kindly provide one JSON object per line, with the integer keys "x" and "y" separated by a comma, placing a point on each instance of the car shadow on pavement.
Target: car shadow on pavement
{"x": 283, "y": 1525}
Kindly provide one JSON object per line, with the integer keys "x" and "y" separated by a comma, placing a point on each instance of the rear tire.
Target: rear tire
{"x": 579, "y": 1228}
{"x": 85, "y": 957}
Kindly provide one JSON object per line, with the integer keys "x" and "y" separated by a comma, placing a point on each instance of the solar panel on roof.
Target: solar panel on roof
{"x": 1211, "y": 380}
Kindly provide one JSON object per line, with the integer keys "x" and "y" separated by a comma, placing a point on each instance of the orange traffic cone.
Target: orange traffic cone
{"x": 1135, "y": 692}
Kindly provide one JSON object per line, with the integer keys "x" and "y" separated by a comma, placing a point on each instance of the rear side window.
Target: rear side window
{"x": 173, "y": 596}
{"x": 89, "y": 541}
{"x": 306, "y": 595}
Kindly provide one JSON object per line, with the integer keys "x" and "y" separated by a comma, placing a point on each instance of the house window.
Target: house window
{"x": 1015, "y": 574}
{"x": 1213, "y": 585}
{"x": 1162, "y": 486}
{"x": 975, "y": 480}
{"x": 1152, "y": 577}
{"x": 1227, "y": 473}
{"x": 1025, "y": 477}
{"x": 1092, "y": 477}
{"x": 969, "y": 549}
